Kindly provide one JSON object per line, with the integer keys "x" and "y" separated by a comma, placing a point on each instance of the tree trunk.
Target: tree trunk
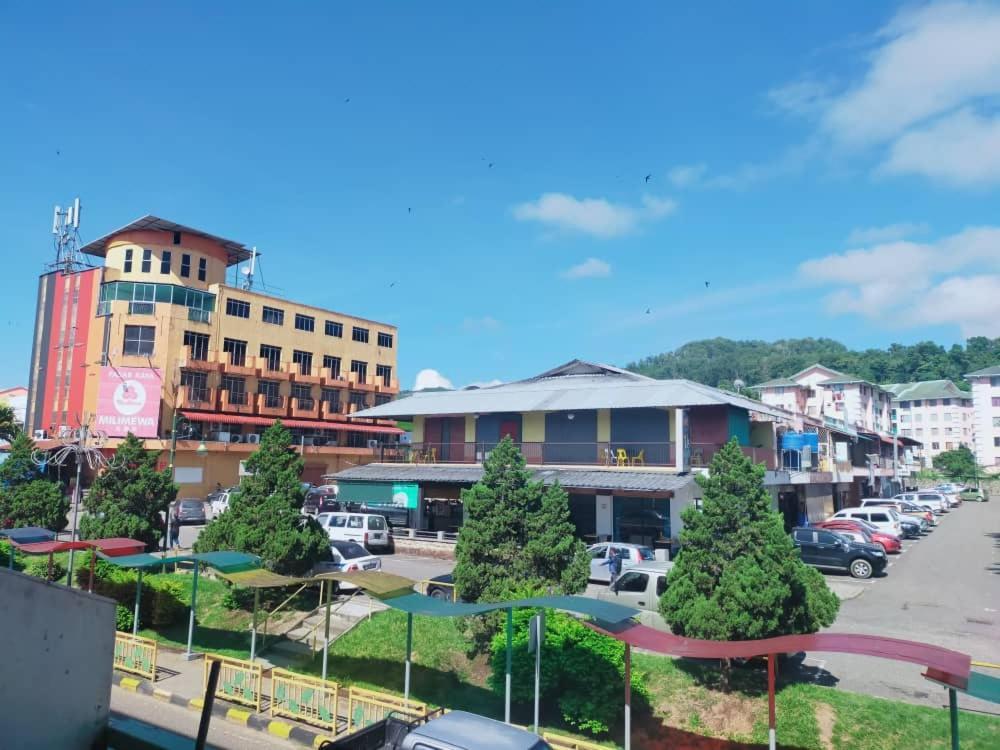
{"x": 725, "y": 675}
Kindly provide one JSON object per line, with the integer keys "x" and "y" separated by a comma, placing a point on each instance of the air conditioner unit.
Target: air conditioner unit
{"x": 373, "y": 444}
{"x": 253, "y": 438}
{"x": 235, "y": 438}
{"x": 40, "y": 435}
{"x": 65, "y": 431}
{"x": 222, "y": 437}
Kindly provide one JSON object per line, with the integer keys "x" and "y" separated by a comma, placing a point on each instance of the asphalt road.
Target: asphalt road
{"x": 944, "y": 589}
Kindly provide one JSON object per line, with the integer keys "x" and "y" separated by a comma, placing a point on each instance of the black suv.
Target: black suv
{"x": 823, "y": 548}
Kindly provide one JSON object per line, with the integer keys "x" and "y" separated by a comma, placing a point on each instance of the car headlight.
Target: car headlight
{"x": 878, "y": 553}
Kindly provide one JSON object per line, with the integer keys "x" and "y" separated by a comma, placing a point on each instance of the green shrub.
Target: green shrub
{"x": 171, "y": 598}
{"x": 123, "y": 619}
{"x": 165, "y": 598}
{"x": 38, "y": 566}
{"x": 583, "y": 672}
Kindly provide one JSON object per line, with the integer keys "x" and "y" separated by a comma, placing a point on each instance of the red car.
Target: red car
{"x": 889, "y": 543}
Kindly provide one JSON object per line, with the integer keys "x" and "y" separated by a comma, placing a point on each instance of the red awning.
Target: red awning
{"x": 114, "y": 547}
{"x": 934, "y": 657}
{"x": 202, "y": 416}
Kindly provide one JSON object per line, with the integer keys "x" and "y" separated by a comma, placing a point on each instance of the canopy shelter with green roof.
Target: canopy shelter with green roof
{"x": 223, "y": 561}
{"x": 397, "y": 592}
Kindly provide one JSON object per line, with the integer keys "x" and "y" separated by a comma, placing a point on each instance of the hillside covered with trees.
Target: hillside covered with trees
{"x": 720, "y": 361}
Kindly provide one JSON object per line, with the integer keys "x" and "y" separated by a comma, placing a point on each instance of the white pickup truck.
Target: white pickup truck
{"x": 641, "y": 587}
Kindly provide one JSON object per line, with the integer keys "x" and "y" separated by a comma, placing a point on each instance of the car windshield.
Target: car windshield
{"x": 350, "y": 550}
{"x": 190, "y": 503}
{"x": 645, "y": 553}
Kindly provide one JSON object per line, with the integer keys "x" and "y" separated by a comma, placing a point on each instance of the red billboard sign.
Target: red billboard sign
{"x": 128, "y": 400}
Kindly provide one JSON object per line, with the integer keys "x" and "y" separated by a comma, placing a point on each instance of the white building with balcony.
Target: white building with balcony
{"x": 986, "y": 415}
{"x": 936, "y": 412}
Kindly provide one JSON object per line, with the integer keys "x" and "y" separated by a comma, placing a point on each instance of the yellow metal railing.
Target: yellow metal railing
{"x": 365, "y": 707}
{"x": 304, "y": 698}
{"x": 558, "y": 742}
{"x": 135, "y": 654}
{"x": 425, "y": 585}
{"x": 239, "y": 681}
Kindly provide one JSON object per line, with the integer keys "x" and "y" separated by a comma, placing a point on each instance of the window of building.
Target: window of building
{"x": 196, "y": 385}
{"x": 918, "y": 402}
{"x": 273, "y": 315}
{"x": 147, "y": 260}
{"x": 332, "y": 364}
{"x": 947, "y": 416}
{"x": 165, "y": 261}
{"x": 384, "y": 372}
{"x": 382, "y": 398}
{"x": 237, "y": 351}
{"x": 357, "y": 400}
{"x": 185, "y": 265}
{"x": 995, "y": 381}
{"x": 361, "y": 368}
{"x": 933, "y": 417}
{"x": 996, "y": 442}
{"x": 332, "y": 398}
{"x": 385, "y": 340}
{"x": 949, "y": 446}
{"x": 271, "y": 355}
{"x": 269, "y": 389}
{"x": 935, "y": 446}
{"x": 359, "y": 334}
{"x": 917, "y": 418}
{"x": 996, "y": 401}
{"x": 934, "y": 430}
{"x": 904, "y": 404}
{"x": 304, "y": 360}
{"x": 139, "y": 340}
{"x": 919, "y": 431}
{"x": 333, "y": 328}
{"x": 177, "y": 238}
{"x": 932, "y": 402}
{"x": 357, "y": 439}
{"x": 236, "y": 388}
{"x": 197, "y": 344}
{"x": 305, "y": 323}
{"x": 127, "y": 268}
{"x": 237, "y": 308}
{"x": 904, "y": 418}
{"x": 143, "y": 300}
{"x": 946, "y": 402}
{"x": 202, "y": 269}
{"x": 905, "y": 432}
{"x": 996, "y": 421}
{"x": 303, "y": 396}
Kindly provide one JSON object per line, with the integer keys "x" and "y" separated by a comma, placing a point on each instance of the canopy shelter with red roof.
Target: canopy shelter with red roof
{"x": 951, "y": 668}
{"x": 111, "y": 547}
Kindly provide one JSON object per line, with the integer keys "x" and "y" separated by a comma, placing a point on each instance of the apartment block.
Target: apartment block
{"x": 986, "y": 418}
{"x": 936, "y": 412}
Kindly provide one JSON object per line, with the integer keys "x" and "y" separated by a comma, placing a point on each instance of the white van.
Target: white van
{"x": 935, "y": 502}
{"x": 884, "y": 519}
{"x": 368, "y": 529}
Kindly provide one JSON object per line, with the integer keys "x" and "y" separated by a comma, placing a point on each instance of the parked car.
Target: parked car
{"x": 974, "y": 495}
{"x": 322, "y": 499}
{"x": 933, "y": 501}
{"x": 631, "y": 554}
{"x": 889, "y": 543}
{"x": 455, "y": 730}
{"x": 441, "y": 587}
{"x": 950, "y": 488}
{"x": 349, "y": 557}
{"x": 220, "y": 503}
{"x": 906, "y": 510}
{"x": 190, "y": 510}
{"x": 367, "y": 529}
{"x": 823, "y": 548}
{"x": 640, "y": 586}
{"x": 884, "y": 519}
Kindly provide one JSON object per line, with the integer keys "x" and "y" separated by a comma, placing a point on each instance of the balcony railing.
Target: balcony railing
{"x": 236, "y": 398}
{"x": 199, "y": 316}
{"x": 585, "y": 454}
{"x": 303, "y": 402}
{"x": 141, "y": 308}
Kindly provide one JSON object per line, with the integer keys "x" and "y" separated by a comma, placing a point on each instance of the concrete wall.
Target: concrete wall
{"x": 58, "y": 650}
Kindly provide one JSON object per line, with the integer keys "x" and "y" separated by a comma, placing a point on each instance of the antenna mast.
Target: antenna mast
{"x": 248, "y": 272}
{"x": 66, "y": 238}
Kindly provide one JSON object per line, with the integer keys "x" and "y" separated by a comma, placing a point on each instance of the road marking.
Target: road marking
{"x": 129, "y": 683}
{"x": 279, "y": 729}
{"x": 238, "y": 715}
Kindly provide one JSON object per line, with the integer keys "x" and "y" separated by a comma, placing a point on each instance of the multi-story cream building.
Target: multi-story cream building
{"x": 986, "y": 419}
{"x": 155, "y": 338}
{"x": 936, "y": 412}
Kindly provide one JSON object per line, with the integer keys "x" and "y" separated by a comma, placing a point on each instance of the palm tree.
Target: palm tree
{"x": 9, "y": 426}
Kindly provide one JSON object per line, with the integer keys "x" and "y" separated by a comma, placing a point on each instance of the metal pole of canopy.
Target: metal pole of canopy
{"x": 953, "y": 710}
{"x": 772, "y": 740}
{"x": 93, "y": 568}
{"x": 628, "y": 696}
{"x": 194, "y": 603}
{"x": 253, "y": 625}
{"x": 510, "y": 651}
{"x": 326, "y": 632}
{"x": 409, "y": 653}
{"x": 138, "y": 594}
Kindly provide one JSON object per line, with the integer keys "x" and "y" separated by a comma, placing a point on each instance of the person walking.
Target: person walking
{"x": 614, "y": 565}
{"x": 175, "y": 527}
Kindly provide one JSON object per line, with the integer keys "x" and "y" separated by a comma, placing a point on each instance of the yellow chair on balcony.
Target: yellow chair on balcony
{"x": 621, "y": 457}
{"x": 639, "y": 459}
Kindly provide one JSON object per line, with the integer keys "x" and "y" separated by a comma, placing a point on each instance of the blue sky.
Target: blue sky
{"x": 828, "y": 169}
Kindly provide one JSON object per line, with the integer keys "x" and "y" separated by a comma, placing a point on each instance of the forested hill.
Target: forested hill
{"x": 720, "y": 361}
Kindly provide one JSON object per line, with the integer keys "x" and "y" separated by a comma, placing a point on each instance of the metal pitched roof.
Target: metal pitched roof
{"x": 994, "y": 370}
{"x": 598, "y": 479}
{"x": 559, "y": 390}
{"x": 235, "y": 251}
{"x": 925, "y": 389}
{"x": 786, "y": 382}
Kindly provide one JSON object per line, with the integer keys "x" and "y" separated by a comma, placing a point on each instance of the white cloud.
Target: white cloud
{"x": 887, "y": 233}
{"x": 806, "y": 96}
{"x": 431, "y": 379}
{"x": 686, "y": 175}
{"x": 594, "y": 216}
{"x": 960, "y": 149}
{"x": 592, "y": 268}
{"x": 906, "y": 283}
{"x": 930, "y": 61}
{"x": 480, "y": 325}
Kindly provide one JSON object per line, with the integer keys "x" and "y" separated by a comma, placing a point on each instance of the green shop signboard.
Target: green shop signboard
{"x": 398, "y": 495}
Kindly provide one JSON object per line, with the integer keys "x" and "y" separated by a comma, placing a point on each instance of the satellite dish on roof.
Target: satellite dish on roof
{"x": 738, "y": 383}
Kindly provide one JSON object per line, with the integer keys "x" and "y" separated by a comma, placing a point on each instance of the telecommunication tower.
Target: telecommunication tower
{"x": 66, "y": 238}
